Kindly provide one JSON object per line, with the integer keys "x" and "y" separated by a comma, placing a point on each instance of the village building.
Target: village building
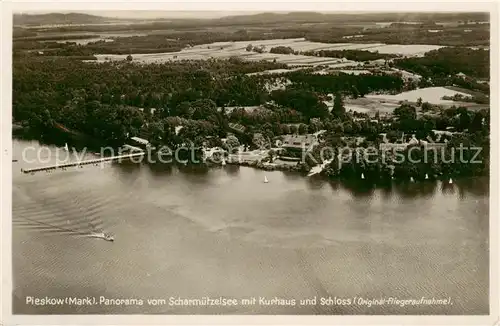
{"x": 237, "y": 128}
{"x": 296, "y": 145}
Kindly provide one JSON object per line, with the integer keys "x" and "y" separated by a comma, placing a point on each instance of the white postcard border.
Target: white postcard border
{"x": 6, "y": 317}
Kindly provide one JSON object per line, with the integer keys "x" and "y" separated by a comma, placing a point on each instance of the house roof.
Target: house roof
{"x": 237, "y": 127}
{"x": 298, "y": 141}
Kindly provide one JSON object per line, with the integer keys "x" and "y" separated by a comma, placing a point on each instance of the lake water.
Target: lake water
{"x": 217, "y": 232}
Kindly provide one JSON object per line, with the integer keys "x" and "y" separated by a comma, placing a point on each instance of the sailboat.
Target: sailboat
{"x": 426, "y": 176}
{"x": 66, "y": 148}
{"x": 411, "y": 179}
{"x": 265, "y": 179}
{"x": 223, "y": 162}
{"x": 450, "y": 181}
{"x": 362, "y": 176}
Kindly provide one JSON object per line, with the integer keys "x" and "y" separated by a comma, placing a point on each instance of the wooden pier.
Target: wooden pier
{"x": 81, "y": 163}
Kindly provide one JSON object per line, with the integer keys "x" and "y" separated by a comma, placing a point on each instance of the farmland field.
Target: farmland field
{"x": 238, "y": 49}
{"x": 432, "y": 95}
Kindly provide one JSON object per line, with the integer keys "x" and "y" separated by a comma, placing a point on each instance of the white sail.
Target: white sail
{"x": 426, "y": 176}
{"x": 362, "y": 176}
{"x": 265, "y": 179}
{"x": 66, "y": 147}
{"x": 411, "y": 179}
{"x": 450, "y": 181}
{"x": 223, "y": 162}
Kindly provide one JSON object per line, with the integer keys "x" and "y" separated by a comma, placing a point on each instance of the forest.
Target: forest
{"x": 449, "y": 36}
{"x": 354, "y": 55}
{"x": 449, "y": 61}
{"x": 355, "y": 85}
{"x": 113, "y": 101}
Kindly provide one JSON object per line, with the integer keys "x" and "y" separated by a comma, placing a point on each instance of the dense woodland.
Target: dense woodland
{"x": 449, "y": 61}
{"x": 112, "y": 101}
{"x": 443, "y": 68}
{"x": 104, "y": 102}
{"x": 355, "y": 85}
{"x": 415, "y": 34}
{"x": 354, "y": 55}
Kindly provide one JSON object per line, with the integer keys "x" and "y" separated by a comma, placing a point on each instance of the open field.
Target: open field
{"x": 369, "y": 105}
{"x": 238, "y": 49}
{"x": 432, "y": 95}
{"x": 189, "y": 54}
{"x": 385, "y": 103}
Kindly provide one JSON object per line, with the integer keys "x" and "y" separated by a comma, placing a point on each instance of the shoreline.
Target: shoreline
{"x": 303, "y": 168}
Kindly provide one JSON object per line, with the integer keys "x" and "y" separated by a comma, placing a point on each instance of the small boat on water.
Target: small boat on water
{"x": 426, "y": 176}
{"x": 450, "y": 181}
{"x": 223, "y": 162}
{"x": 362, "y": 176}
{"x": 102, "y": 235}
{"x": 14, "y": 160}
{"x": 66, "y": 148}
{"x": 265, "y": 179}
{"x": 411, "y": 179}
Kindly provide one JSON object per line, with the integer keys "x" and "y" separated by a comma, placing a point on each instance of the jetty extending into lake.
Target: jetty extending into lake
{"x": 81, "y": 163}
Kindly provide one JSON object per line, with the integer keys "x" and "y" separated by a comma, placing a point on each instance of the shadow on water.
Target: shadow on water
{"x": 290, "y": 175}
{"x": 160, "y": 169}
{"x": 232, "y": 169}
{"x": 127, "y": 166}
{"x": 406, "y": 189}
{"x": 195, "y": 173}
{"x": 358, "y": 188}
{"x": 315, "y": 183}
{"x": 475, "y": 186}
{"x": 58, "y": 138}
{"x": 409, "y": 189}
{"x": 334, "y": 184}
{"x": 447, "y": 188}
{"x": 198, "y": 169}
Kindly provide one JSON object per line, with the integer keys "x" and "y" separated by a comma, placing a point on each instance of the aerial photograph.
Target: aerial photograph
{"x": 250, "y": 163}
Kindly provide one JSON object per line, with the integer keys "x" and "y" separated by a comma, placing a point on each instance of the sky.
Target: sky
{"x": 150, "y": 14}
{"x": 171, "y": 14}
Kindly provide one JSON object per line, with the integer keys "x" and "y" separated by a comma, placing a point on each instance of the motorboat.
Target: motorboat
{"x": 102, "y": 235}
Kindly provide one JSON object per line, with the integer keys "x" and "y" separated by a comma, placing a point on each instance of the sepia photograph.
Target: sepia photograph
{"x": 251, "y": 162}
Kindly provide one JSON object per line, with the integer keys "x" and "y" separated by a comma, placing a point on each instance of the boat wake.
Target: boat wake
{"x": 61, "y": 215}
